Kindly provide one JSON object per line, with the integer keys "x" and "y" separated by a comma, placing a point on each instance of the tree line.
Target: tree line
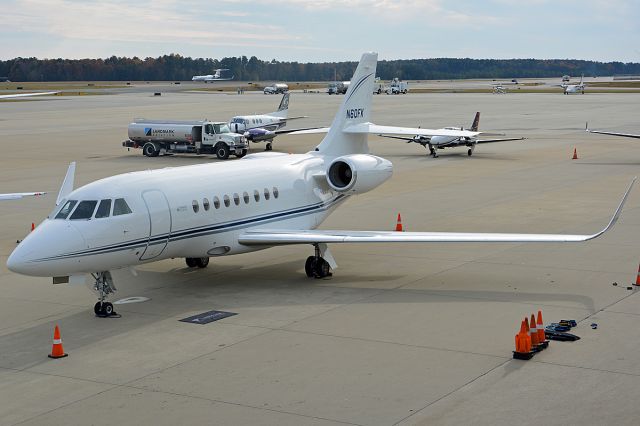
{"x": 176, "y": 67}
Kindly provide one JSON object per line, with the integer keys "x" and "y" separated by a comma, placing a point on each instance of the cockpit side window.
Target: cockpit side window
{"x": 64, "y": 211}
{"x": 84, "y": 210}
{"x": 120, "y": 207}
{"x": 104, "y": 208}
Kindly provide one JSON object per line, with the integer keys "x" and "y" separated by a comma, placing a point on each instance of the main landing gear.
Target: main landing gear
{"x": 268, "y": 146}
{"x": 104, "y": 286}
{"x": 433, "y": 152}
{"x": 316, "y": 266}
{"x": 200, "y": 262}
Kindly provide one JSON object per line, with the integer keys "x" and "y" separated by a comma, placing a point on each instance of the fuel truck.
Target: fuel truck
{"x": 157, "y": 137}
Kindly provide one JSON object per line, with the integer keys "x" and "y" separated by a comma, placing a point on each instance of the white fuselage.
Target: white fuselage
{"x": 242, "y": 123}
{"x": 165, "y": 223}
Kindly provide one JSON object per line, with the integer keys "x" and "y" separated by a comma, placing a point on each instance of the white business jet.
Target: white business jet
{"x": 217, "y": 209}
{"x": 212, "y": 77}
{"x": 434, "y": 143}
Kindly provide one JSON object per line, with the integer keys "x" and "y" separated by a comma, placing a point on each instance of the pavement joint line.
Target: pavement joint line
{"x": 621, "y": 313}
{"x": 454, "y": 391}
{"x": 581, "y": 367}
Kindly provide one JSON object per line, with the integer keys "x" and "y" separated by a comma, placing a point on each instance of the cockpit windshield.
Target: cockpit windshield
{"x": 77, "y": 210}
{"x": 66, "y": 209}
{"x": 221, "y": 128}
{"x": 84, "y": 210}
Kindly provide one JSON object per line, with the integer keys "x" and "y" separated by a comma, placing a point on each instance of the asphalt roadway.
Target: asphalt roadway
{"x": 401, "y": 334}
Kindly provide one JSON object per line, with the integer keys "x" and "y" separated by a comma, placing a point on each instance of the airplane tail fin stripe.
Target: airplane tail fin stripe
{"x": 476, "y": 122}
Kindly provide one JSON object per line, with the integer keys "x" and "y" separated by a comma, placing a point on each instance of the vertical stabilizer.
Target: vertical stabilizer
{"x": 476, "y": 122}
{"x": 283, "y": 108}
{"x": 355, "y": 109}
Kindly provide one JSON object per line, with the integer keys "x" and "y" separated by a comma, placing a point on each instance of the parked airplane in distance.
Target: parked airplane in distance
{"x": 212, "y": 77}
{"x": 26, "y": 95}
{"x": 441, "y": 142}
{"x": 264, "y": 127}
{"x": 263, "y": 200}
{"x": 18, "y": 195}
{"x": 574, "y": 88}
{"x": 624, "y": 135}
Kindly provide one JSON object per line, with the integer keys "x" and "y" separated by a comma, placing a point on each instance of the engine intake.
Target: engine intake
{"x": 357, "y": 173}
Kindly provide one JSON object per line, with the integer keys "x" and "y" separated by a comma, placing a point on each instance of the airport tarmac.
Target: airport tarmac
{"x": 401, "y": 334}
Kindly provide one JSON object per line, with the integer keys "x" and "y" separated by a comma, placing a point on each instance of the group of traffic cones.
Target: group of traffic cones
{"x": 531, "y": 338}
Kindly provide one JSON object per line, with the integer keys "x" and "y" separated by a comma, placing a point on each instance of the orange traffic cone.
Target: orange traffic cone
{"x": 540, "y": 326}
{"x": 638, "y": 277}
{"x": 399, "y": 224}
{"x": 56, "y": 350}
{"x": 523, "y": 344}
{"x": 575, "y": 154}
{"x": 533, "y": 332}
{"x": 33, "y": 226}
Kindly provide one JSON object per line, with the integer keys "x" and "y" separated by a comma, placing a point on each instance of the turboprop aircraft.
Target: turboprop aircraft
{"x": 212, "y": 77}
{"x": 441, "y": 142}
{"x": 574, "y": 88}
{"x": 221, "y": 209}
{"x": 264, "y": 127}
{"x": 624, "y": 135}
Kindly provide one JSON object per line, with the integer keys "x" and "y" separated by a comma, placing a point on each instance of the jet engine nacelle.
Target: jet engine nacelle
{"x": 358, "y": 173}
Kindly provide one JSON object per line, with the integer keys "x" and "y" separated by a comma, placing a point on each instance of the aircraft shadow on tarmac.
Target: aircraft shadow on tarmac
{"x": 181, "y": 292}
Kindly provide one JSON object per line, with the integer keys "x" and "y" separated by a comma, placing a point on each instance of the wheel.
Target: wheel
{"x": 222, "y": 151}
{"x": 107, "y": 308}
{"x": 191, "y": 262}
{"x": 309, "y": 266}
{"x": 242, "y": 154}
{"x": 469, "y": 152}
{"x": 201, "y": 262}
{"x": 149, "y": 150}
{"x": 321, "y": 268}
{"x": 97, "y": 308}
{"x": 269, "y": 147}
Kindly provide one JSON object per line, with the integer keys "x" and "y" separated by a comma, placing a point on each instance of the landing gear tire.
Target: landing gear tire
{"x": 191, "y": 262}
{"x": 268, "y": 147}
{"x": 321, "y": 269}
{"x": 222, "y": 151}
{"x": 104, "y": 286}
{"x": 469, "y": 152}
{"x": 242, "y": 154}
{"x": 150, "y": 150}
{"x": 434, "y": 154}
{"x": 201, "y": 262}
{"x": 309, "y": 266}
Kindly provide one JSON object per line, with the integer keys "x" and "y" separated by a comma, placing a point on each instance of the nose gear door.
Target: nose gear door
{"x": 159, "y": 223}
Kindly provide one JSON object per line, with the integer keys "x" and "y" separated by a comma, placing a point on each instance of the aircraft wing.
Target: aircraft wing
{"x": 285, "y": 237}
{"x": 393, "y": 130}
{"x": 625, "y": 135}
{"x": 25, "y": 95}
{"x": 18, "y": 195}
{"x": 498, "y": 140}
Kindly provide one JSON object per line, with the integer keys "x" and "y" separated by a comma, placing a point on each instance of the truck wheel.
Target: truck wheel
{"x": 222, "y": 151}
{"x": 149, "y": 150}
{"x": 242, "y": 154}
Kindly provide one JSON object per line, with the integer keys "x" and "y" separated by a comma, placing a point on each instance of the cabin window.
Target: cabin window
{"x": 216, "y": 202}
{"x": 245, "y": 196}
{"x": 236, "y": 199}
{"x": 275, "y": 192}
{"x": 208, "y": 129}
{"x": 84, "y": 210}
{"x": 227, "y": 202}
{"x": 104, "y": 208}
{"x": 256, "y": 195}
{"x": 205, "y": 204}
{"x": 196, "y": 206}
{"x": 120, "y": 207}
{"x": 266, "y": 194}
{"x": 64, "y": 211}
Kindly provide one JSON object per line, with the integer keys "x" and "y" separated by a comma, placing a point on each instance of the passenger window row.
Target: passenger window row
{"x": 75, "y": 210}
{"x": 226, "y": 200}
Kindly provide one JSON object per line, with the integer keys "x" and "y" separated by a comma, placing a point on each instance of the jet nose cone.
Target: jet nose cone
{"x": 18, "y": 261}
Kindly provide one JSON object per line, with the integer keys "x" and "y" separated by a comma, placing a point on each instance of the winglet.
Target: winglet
{"x": 616, "y": 214}
{"x": 67, "y": 183}
{"x": 586, "y": 127}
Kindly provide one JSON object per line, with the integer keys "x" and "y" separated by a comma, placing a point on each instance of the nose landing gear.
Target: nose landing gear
{"x": 103, "y": 286}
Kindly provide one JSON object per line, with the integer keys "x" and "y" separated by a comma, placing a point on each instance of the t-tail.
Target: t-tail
{"x": 476, "y": 122}
{"x": 355, "y": 110}
{"x": 283, "y": 108}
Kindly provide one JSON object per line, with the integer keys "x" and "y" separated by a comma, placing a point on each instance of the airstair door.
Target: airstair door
{"x": 159, "y": 223}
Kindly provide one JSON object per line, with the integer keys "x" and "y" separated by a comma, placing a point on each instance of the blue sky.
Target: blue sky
{"x": 322, "y": 30}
